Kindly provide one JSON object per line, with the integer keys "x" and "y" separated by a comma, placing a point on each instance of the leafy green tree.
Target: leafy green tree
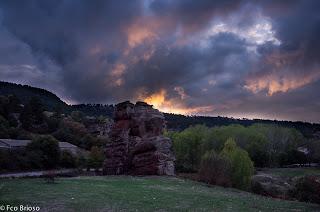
{"x": 18, "y": 133}
{"x": 13, "y": 160}
{"x": 32, "y": 117}
{"x": 295, "y": 157}
{"x": 253, "y": 142}
{"x": 215, "y": 169}
{"x": 4, "y": 160}
{"x": 267, "y": 145}
{"x": 314, "y": 148}
{"x": 281, "y": 142}
{"x": 96, "y": 157}
{"x": 14, "y": 104}
{"x": 44, "y": 152}
{"x": 82, "y": 161}
{"x": 77, "y": 116}
{"x": 9, "y": 104}
{"x": 4, "y": 127}
{"x": 88, "y": 141}
{"x": 77, "y": 134}
{"x": 187, "y": 147}
{"x": 67, "y": 159}
{"x": 71, "y": 131}
{"x": 3, "y": 105}
{"x": 53, "y": 120}
{"x": 241, "y": 164}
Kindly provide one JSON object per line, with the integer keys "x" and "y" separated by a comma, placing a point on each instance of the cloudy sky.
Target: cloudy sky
{"x": 239, "y": 58}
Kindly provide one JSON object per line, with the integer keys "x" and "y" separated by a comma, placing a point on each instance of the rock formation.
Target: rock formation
{"x": 269, "y": 185}
{"x": 303, "y": 188}
{"x": 137, "y": 145}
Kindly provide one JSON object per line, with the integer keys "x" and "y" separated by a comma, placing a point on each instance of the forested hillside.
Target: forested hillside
{"x": 25, "y": 92}
{"x": 50, "y": 101}
{"x": 181, "y": 122}
{"x": 174, "y": 121}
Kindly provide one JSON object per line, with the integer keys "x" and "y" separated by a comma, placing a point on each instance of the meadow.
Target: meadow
{"x": 126, "y": 193}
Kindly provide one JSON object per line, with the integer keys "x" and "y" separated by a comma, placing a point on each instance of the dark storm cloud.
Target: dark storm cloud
{"x": 108, "y": 51}
{"x": 193, "y": 15}
{"x": 66, "y": 30}
{"x": 297, "y": 25}
{"x": 58, "y": 28}
{"x": 187, "y": 66}
{"x": 295, "y": 62}
{"x": 300, "y": 29}
{"x": 286, "y": 76}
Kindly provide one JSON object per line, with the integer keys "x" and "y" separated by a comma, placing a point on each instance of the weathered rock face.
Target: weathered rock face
{"x": 137, "y": 145}
{"x": 304, "y": 188}
{"x": 269, "y": 185}
{"x": 307, "y": 188}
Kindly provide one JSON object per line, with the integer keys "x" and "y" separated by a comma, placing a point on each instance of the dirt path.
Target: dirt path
{"x": 36, "y": 173}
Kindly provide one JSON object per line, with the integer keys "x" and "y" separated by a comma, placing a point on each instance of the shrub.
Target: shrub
{"x": 49, "y": 176}
{"x": 4, "y": 160}
{"x": 77, "y": 116}
{"x": 44, "y": 151}
{"x": 14, "y": 160}
{"x": 67, "y": 160}
{"x": 241, "y": 164}
{"x": 4, "y": 127}
{"x": 314, "y": 147}
{"x": 281, "y": 141}
{"x": 32, "y": 118}
{"x": 72, "y": 132}
{"x": 215, "y": 169}
{"x": 187, "y": 147}
{"x": 82, "y": 160}
{"x": 307, "y": 189}
{"x": 96, "y": 157}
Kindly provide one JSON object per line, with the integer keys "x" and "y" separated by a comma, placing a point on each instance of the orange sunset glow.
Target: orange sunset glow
{"x": 160, "y": 101}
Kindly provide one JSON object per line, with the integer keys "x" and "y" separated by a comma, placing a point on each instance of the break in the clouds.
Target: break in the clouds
{"x": 255, "y": 59}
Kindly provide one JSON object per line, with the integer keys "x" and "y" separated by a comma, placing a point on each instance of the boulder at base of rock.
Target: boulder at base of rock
{"x": 307, "y": 188}
{"x": 272, "y": 186}
{"x": 137, "y": 145}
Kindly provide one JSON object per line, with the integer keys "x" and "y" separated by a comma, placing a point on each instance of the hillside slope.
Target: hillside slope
{"x": 26, "y": 92}
{"x": 51, "y": 101}
{"x": 174, "y": 121}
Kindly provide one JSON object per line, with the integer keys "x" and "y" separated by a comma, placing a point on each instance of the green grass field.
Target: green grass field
{"x": 125, "y": 193}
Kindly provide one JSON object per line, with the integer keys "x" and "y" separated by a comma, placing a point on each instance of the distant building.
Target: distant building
{"x": 304, "y": 150}
{"x": 14, "y": 144}
{"x": 65, "y": 146}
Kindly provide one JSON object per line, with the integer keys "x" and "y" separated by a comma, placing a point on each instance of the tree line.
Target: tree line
{"x": 174, "y": 121}
{"x": 268, "y": 145}
{"x": 227, "y": 155}
{"x": 30, "y": 121}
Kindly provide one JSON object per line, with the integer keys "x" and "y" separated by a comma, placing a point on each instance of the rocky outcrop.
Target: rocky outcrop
{"x": 302, "y": 188}
{"x": 270, "y": 185}
{"x": 137, "y": 145}
{"x": 307, "y": 188}
{"x": 98, "y": 127}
